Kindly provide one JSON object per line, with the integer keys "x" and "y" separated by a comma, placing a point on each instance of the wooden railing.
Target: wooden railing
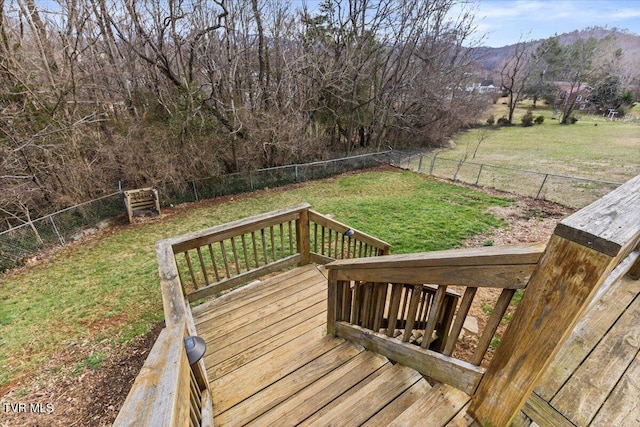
{"x": 219, "y": 258}
{"x": 389, "y": 304}
{"x": 167, "y": 391}
{"x": 330, "y": 240}
{"x": 582, "y": 253}
{"x": 206, "y": 262}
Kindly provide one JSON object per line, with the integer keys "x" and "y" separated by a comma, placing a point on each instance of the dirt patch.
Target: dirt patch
{"x": 70, "y": 392}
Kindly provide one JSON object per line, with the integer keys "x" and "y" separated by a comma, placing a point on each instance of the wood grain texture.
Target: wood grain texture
{"x": 588, "y": 388}
{"x": 441, "y": 404}
{"x": 390, "y": 412}
{"x": 459, "y": 374}
{"x": 557, "y": 295}
{"x": 541, "y": 412}
{"x": 371, "y": 398}
{"x": 609, "y": 225}
{"x": 613, "y": 298}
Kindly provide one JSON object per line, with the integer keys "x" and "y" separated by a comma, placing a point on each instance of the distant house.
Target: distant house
{"x": 485, "y": 86}
{"x": 577, "y": 93}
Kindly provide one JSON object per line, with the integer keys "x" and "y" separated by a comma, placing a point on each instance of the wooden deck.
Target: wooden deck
{"x": 270, "y": 361}
{"x": 595, "y": 378}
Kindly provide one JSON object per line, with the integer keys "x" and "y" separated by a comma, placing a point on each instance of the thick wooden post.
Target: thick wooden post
{"x": 303, "y": 237}
{"x": 584, "y": 249}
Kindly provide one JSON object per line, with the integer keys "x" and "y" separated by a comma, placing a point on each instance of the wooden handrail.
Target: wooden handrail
{"x": 380, "y": 302}
{"x": 584, "y": 250}
{"x": 167, "y": 391}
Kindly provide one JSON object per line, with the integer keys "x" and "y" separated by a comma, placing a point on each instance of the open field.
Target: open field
{"x": 104, "y": 291}
{"x": 524, "y": 160}
{"x": 592, "y": 148}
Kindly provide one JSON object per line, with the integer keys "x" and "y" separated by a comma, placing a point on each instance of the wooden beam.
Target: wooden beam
{"x": 303, "y": 237}
{"x": 462, "y": 375}
{"x": 492, "y": 276}
{"x": 542, "y": 413}
{"x": 496, "y": 255}
{"x": 584, "y": 250}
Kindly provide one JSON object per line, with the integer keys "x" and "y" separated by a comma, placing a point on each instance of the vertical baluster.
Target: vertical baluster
{"x": 492, "y": 325}
{"x": 291, "y": 239}
{"x": 416, "y": 294}
{"x": 191, "y": 272}
{"x": 255, "y": 249}
{"x": 315, "y": 237}
{"x": 357, "y": 303}
{"x": 264, "y": 246}
{"x": 396, "y": 293}
{"x": 213, "y": 262}
{"x": 235, "y": 255}
{"x": 244, "y": 251}
{"x": 381, "y": 300}
{"x": 434, "y": 312}
{"x": 335, "y": 245}
{"x": 273, "y": 244}
{"x": 366, "y": 304}
{"x": 322, "y": 242}
{"x": 329, "y": 242}
{"x": 282, "y": 249}
{"x": 461, "y": 315}
{"x": 342, "y": 247}
{"x": 444, "y": 321}
{"x": 347, "y": 297}
{"x": 224, "y": 258}
{"x": 204, "y": 270}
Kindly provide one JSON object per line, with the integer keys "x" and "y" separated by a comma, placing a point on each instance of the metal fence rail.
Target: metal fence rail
{"x": 69, "y": 224}
{"x": 571, "y": 191}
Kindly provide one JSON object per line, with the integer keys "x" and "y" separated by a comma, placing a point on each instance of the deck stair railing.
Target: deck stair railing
{"x": 403, "y": 306}
{"x": 168, "y": 391}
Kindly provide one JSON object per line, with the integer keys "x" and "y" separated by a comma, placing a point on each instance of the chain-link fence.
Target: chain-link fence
{"x": 567, "y": 190}
{"x": 69, "y": 224}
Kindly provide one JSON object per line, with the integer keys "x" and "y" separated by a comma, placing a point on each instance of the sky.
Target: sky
{"x": 504, "y": 21}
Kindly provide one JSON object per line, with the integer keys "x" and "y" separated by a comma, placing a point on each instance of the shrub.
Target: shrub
{"x": 503, "y": 121}
{"x": 539, "y": 120}
{"x": 491, "y": 121}
{"x": 527, "y": 119}
{"x": 572, "y": 120}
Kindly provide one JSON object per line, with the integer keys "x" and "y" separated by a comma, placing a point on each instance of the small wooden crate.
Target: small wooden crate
{"x": 141, "y": 201}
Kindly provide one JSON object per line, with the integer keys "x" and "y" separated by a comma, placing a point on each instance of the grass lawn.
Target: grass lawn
{"x": 592, "y": 148}
{"x": 105, "y": 290}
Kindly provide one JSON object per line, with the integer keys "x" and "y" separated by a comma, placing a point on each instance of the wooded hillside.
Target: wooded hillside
{"x": 149, "y": 91}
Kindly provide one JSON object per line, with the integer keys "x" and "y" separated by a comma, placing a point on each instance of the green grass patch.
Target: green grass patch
{"x": 107, "y": 289}
{"x": 592, "y": 148}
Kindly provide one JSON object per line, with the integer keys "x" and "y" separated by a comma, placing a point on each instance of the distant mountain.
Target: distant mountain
{"x": 490, "y": 59}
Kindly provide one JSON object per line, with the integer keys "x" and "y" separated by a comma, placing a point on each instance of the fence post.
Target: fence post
{"x": 433, "y": 163}
{"x": 296, "y": 171}
{"x": 56, "y": 230}
{"x": 420, "y": 164}
{"x": 195, "y": 192}
{"x": 546, "y": 175}
{"x": 479, "y": 172}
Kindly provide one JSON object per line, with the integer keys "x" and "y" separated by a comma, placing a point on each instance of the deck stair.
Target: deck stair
{"x": 270, "y": 360}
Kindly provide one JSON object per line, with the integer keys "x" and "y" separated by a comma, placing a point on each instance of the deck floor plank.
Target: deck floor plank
{"x": 371, "y": 398}
{"x": 278, "y": 391}
{"x": 251, "y": 295}
{"x": 390, "y": 412}
{"x": 588, "y": 388}
{"x": 622, "y": 408}
{"x": 442, "y": 404}
{"x": 598, "y": 319}
{"x": 303, "y": 404}
{"x": 252, "y": 377}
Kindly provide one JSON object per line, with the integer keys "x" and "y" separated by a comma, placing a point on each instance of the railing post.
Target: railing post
{"x": 583, "y": 251}
{"x": 332, "y": 302}
{"x": 302, "y": 237}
